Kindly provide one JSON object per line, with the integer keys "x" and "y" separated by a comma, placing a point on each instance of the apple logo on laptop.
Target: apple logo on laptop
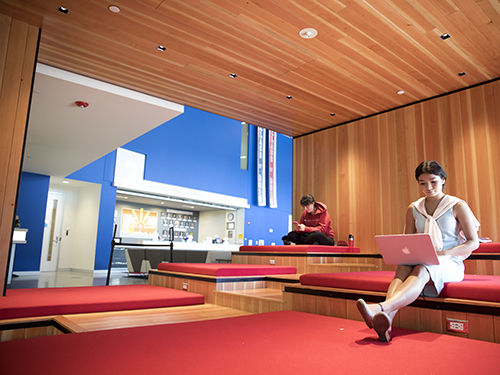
{"x": 406, "y": 251}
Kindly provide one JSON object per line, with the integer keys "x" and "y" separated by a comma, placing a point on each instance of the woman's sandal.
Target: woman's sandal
{"x": 365, "y": 312}
{"x": 383, "y": 326}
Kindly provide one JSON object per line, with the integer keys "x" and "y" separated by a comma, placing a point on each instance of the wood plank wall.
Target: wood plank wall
{"x": 364, "y": 170}
{"x": 18, "y": 47}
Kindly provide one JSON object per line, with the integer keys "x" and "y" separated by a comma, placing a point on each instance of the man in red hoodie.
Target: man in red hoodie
{"x": 315, "y": 226}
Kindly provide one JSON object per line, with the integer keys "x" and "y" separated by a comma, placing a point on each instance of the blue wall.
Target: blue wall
{"x": 259, "y": 220}
{"x": 200, "y": 150}
{"x": 197, "y": 150}
{"x": 31, "y": 206}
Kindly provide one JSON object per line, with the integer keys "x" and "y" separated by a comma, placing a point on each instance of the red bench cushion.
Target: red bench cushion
{"x": 226, "y": 269}
{"x": 375, "y": 281}
{"x": 22, "y": 303}
{"x": 300, "y": 249}
{"x": 488, "y": 247}
{"x": 474, "y": 287}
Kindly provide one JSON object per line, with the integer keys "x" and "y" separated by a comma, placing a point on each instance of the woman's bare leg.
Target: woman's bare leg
{"x": 408, "y": 291}
{"x": 405, "y": 288}
{"x": 368, "y": 311}
{"x": 402, "y": 273}
{"x": 401, "y": 296}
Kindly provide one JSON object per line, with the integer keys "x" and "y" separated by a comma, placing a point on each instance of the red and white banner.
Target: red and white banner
{"x": 261, "y": 166}
{"x": 273, "y": 200}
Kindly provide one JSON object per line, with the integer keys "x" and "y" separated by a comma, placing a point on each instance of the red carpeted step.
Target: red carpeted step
{"x": 284, "y": 342}
{"x": 473, "y": 287}
{"x": 488, "y": 247}
{"x": 227, "y": 269}
{"x": 21, "y": 303}
{"x": 299, "y": 249}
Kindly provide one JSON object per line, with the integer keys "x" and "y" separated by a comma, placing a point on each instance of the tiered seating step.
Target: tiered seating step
{"x": 299, "y": 249}
{"x": 207, "y": 278}
{"x": 148, "y": 317}
{"x": 27, "y": 313}
{"x": 251, "y": 300}
{"x": 22, "y": 303}
{"x": 473, "y": 304}
{"x": 226, "y": 270}
{"x": 339, "y": 267}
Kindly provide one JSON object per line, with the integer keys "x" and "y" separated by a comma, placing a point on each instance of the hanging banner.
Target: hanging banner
{"x": 261, "y": 166}
{"x": 273, "y": 199}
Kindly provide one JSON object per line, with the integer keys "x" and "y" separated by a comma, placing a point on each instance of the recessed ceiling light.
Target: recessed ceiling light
{"x": 161, "y": 48}
{"x": 114, "y": 9}
{"x": 445, "y": 36}
{"x": 289, "y": 97}
{"x": 65, "y": 182}
{"x": 401, "y": 92}
{"x": 233, "y": 75}
{"x": 332, "y": 114}
{"x": 461, "y": 74}
{"x": 63, "y": 10}
{"x": 308, "y": 33}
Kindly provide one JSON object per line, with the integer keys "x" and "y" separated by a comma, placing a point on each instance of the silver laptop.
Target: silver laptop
{"x": 407, "y": 249}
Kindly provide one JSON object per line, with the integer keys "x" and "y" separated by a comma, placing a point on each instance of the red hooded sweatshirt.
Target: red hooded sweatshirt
{"x": 318, "y": 221}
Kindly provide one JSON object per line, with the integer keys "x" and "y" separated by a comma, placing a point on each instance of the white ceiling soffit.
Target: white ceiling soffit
{"x": 168, "y": 202}
{"x": 62, "y": 137}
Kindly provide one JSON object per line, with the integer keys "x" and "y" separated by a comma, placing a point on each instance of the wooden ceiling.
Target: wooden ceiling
{"x": 365, "y": 52}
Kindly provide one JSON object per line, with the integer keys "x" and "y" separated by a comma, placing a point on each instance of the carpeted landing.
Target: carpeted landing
{"x": 283, "y": 342}
{"x": 22, "y": 303}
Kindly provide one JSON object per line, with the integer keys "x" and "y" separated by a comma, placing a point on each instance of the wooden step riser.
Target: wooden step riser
{"x": 25, "y": 333}
{"x": 480, "y": 326}
{"x": 335, "y": 268}
{"x": 476, "y": 264}
{"x": 302, "y": 261}
{"x": 207, "y": 288}
{"x": 251, "y": 304}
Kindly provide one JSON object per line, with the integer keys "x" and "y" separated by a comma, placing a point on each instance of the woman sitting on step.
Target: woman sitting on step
{"x": 453, "y": 229}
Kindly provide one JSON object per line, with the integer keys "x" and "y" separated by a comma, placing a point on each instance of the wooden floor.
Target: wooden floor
{"x": 147, "y": 317}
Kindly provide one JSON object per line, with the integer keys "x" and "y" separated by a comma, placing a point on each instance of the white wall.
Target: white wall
{"x": 85, "y": 232}
{"x": 215, "y": 222}
{"x": 81, "y": 214}
{"x": 211, "y": 223}
{"x": 68, "y": 221}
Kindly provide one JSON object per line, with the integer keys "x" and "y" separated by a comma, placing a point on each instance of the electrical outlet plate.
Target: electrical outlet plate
{"x": 272, "y": 262}
{"x": 456, "y": 325}
{"x": 184, "y": 286}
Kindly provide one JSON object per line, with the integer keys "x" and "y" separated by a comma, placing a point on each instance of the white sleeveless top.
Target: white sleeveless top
{"x": 442, "y": 226}
{"x": 445, "y": 233}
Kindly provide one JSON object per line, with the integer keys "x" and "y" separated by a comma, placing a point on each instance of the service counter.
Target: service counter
{"x": 141, "y": 258}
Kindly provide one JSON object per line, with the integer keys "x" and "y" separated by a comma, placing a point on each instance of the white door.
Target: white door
{"x": 52, "y": 232}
